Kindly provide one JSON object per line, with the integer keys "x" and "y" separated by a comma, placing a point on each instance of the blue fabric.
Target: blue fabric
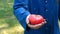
{"x": 21, "y": 12}
{"x": 49, "y": 10}
{"x": 59, "y": 10}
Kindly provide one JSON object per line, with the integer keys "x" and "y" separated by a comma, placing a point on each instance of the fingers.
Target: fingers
{"x": 37, "y": 26}
{"x": 41, "y": 23}
{"x": 45, "y": 21}
{"x": 33, "y": 26}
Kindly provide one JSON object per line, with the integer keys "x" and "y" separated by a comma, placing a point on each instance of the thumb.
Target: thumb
{"x": 27, "y": 19}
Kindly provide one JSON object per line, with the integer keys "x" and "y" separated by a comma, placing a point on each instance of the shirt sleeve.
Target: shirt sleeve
{"x": 21, "y": 11}
{"x": 59, "y": 14}
{"x": 59, "y": 10}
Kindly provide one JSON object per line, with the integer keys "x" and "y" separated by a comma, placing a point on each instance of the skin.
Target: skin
{"x": 35, "y": 26}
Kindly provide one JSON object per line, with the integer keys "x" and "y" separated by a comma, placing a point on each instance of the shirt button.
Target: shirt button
{"x": 46, "y": 1}
{"x": 46, "y": 10}
{"x": 34, "y": 8}
{"x": 46, "y": 28}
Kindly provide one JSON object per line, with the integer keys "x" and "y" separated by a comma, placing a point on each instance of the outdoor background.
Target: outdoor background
{"x": 8, "y": 22}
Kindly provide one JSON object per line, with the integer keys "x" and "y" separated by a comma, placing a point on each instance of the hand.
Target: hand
{"x": 35, "y": 26}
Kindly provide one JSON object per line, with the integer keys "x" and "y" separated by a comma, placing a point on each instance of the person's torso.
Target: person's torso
{"x": 49, "y": 10}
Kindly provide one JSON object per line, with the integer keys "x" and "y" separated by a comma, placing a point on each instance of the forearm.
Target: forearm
{"x": 21, "y": 11}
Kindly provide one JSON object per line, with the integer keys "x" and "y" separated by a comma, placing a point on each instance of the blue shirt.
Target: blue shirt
{"x": 59, "y": 10}
{"x": 47, "y": 8}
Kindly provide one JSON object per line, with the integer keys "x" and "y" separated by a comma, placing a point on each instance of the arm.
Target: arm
{"x": 21, "y": 11}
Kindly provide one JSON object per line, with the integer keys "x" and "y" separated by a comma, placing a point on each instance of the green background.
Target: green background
{"x": 8, "y": 22}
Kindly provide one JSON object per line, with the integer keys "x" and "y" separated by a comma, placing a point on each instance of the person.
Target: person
{"x": 47, "y": 8}
{"x": 59, "y": 10}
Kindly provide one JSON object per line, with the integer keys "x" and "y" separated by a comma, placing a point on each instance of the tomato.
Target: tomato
{"x": 36, "y": 19}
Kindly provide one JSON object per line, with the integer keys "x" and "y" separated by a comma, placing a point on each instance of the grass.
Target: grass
{"x": 8, "y": 22}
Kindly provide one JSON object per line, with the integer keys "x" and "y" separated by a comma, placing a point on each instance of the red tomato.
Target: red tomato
{"x": 35, "y": 19}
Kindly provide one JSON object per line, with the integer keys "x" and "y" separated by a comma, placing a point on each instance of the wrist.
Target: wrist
{"x": 27, "y": 19}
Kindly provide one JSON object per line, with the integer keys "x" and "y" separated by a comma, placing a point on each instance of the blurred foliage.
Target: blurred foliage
{"x": 6, "y": 13}
{"x": 8, "y": 22}
{"x": 6, "y": 8}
